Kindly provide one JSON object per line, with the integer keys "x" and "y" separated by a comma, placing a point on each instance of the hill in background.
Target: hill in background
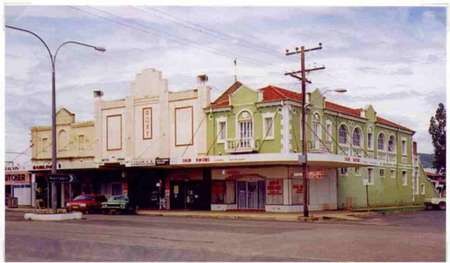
{"x": 426, "y": 159}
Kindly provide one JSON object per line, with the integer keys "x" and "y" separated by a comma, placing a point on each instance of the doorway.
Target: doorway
{"x": 187, "y": 195}
{"x": 251, "y": 195}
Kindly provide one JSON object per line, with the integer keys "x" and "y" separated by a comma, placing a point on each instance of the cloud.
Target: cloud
{"x": 383, "y": 56}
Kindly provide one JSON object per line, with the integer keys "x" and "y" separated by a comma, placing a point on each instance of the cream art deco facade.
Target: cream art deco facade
{"x": 180, "y": 150}
{"x": 75, "y": 151}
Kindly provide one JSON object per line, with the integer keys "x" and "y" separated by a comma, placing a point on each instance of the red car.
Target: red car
{"x": 86, "y": 203}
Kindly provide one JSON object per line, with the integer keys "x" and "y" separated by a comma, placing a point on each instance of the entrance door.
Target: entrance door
{"x": 241, "y": 195}
{"x": 178, "y": 191}
{"x": 250, "y": 195}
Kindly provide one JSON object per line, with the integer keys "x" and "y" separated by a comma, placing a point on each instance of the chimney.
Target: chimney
{"x": 414, "y": 148}
{"x": 98, "y": 94}
{"x": 202, "y": 79}
{"x": 203, "y": 90}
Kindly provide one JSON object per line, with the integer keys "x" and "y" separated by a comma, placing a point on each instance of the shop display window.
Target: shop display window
{"x": 230, "y": 193}
{"x": 218, "y": 192}
{"x": 297, "y": 191}
{"x": 274, "y": 192}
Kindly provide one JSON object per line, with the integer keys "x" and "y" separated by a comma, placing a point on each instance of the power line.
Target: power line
{"x": 154, "y": 32}
{"x": 213, "y": 33}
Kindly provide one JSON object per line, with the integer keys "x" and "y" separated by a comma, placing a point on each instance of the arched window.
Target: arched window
{"x": 317, "y": 131}
{"x": 245, "y": 126}
{"x": 381, "y": 141}
{"x": 63, "y": 140}
{"x": 356, "y": 137}
{"x": 370, "y": 138}
{"x": 329, "y": 128}
{"x": 343, "y": 134}
{"x": 391, "y": 143}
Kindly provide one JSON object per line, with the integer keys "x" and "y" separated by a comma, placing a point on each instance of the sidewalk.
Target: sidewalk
{"x": 264, "y": 216}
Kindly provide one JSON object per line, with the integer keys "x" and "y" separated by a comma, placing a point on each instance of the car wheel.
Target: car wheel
{"x": 428, "y": 207}
{"x": 104, "y": 211}
{"x": 442, "y": 205}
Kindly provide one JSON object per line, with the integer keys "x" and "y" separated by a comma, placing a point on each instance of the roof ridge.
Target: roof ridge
{"x": 234, "y": 85}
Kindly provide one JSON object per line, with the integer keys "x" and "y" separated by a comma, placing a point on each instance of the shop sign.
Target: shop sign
{"x": 42, "y": 167}
{"x": 313, "y": 174}
{"x": 142, "y": 163}
{"x": 196, "y": 160}
{"x": 274, "y": 187}
{"x": 14, "y": 168}
{"x": 17, "y": 178}
{"x": 162, "y": 161}
{"x": 60, "y": 178}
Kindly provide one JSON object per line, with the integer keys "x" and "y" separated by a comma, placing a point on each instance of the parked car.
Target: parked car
{"x": 117, "y": 204}
{"x": 86, "y": 203}
{"x": 435, "y": 202}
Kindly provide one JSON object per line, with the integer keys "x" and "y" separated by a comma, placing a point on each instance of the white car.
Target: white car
{"x": 435, "y": 202}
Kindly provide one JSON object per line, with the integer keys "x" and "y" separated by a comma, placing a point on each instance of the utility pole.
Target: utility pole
{"x": 303, "y": 80}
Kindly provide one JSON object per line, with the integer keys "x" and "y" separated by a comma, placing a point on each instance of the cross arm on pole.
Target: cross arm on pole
{"x": 309, "y": 70}
{"x": 292, "y": 74}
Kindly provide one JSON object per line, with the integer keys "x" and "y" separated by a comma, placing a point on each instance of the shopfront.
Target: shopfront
{"x": 18, "y": 184}
{"x": 189, "y": 189}
{"x": 271, "y": 188}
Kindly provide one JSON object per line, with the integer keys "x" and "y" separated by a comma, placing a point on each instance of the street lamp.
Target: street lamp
{"x": 333, "y": 90}
{"x": 53, "y": 63}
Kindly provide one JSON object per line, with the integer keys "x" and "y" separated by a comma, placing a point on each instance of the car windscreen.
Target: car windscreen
{"x": 83, "y": 198}
{"x": 118, "y": 197}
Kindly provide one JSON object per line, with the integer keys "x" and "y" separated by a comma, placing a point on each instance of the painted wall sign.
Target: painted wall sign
{"x": 147, "y": 123}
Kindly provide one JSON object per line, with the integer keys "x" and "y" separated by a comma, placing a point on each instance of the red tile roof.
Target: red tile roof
{"x": 273, "y": 93}
{"x": 391, "y": 124}
{"x": 223, "y": 100}
{"x": 342, "y": 109}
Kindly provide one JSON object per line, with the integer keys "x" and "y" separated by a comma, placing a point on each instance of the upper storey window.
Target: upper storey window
{"x": 356, "y": 138}
{"x": 391, "y": 143}
{"x": 370, "y": 139}
{"x": 343, "y": 134}
{"x": 245, "y": 124}
{"x": 317, "y": 131}
{"x": 381, "y": 141}
{"x": 63, "y": 140}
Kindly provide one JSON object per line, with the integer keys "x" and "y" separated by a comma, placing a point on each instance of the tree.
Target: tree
{"x": 438, "y": 132}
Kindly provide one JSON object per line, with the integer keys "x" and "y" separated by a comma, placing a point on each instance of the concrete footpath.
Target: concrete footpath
{"x": 353, "y": 215}
{"x": 264, "y": 216}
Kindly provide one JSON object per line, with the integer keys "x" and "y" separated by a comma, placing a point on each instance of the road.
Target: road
{"x": 409, "y": 236}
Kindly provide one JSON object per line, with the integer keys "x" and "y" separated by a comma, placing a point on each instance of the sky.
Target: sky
{"x": 393, "y": 58}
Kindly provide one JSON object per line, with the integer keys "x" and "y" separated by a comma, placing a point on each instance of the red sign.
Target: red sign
{"x": 275, "y": 187}
{"x": 41, "y": 167}
{"x": 298, "y": 188}
{"x": 17, "y": 178}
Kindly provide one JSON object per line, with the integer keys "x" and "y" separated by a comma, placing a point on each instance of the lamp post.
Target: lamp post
{"x": 333, "y": 90}
{"x": 53, "y": 63}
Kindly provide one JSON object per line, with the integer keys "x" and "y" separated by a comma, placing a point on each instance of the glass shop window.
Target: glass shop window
{"x": 218, "y": 192}
{"x": 297, "y": 191}
{"x": 274, "y": 191}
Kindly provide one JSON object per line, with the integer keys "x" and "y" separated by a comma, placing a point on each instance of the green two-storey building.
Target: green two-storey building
{"x": 356, "y": 158}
